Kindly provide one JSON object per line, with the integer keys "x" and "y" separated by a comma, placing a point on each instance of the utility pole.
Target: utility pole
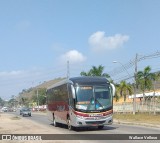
{"x": 68, "y": 74}
{"x": 14, "y": 101}
{"x": 135, "y": 85}
{"x": 37, "y": 100}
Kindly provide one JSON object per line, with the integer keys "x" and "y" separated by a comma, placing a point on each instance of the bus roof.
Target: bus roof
{"x": 89, "y": 80}
{"x": 83, "y": 80}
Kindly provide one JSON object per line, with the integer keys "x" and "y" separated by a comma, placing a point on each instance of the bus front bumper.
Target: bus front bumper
{"x": 92, "y": 121}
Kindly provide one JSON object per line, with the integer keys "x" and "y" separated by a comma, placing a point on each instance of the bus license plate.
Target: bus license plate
{"x": 94, "y": 124}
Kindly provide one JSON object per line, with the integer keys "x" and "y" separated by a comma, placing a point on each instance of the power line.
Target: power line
{"x": 131, "y": 63}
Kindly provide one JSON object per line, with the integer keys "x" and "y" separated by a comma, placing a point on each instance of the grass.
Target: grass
{"x": 15, "y": 118}
{"x": 138, "y": 118}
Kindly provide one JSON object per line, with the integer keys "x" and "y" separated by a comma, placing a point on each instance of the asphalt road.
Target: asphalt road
{"x": 114, "y": 129}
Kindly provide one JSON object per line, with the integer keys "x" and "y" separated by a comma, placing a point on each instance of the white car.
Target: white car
{"x": 4, "y": 109}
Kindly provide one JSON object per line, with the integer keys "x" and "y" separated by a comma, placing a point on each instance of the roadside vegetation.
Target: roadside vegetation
{"x": 138, "y": 118}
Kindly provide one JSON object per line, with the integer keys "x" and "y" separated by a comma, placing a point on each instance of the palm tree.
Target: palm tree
{"x": 124, "y": 89}
{"x": 116, "y": 93}
{"x": 83, "y": 73}
{"x": 95, "y": 71}
{"x": 155, "y": 78}
{"x": 144, "y": 79}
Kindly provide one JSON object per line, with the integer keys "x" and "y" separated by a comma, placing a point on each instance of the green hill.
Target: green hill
{"x": 29, "y": 95}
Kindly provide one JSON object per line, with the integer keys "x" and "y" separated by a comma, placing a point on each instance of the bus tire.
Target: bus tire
{"x": 54, "y": 121}
{"x": 100, "y": 127}
{"x": 70, "y": 127}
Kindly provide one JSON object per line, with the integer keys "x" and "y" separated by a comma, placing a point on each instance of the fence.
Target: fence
{"x": 146, "y": 106}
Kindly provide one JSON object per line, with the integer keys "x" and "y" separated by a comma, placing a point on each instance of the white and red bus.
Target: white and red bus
{"x": 81, "y": 102}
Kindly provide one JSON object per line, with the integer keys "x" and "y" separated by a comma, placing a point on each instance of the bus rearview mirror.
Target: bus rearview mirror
{"x": 113, "y": 89}
{"x": 73, "y": 92}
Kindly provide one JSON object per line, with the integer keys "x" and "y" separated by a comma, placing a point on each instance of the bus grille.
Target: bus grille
{"x": 92, "y": 118}
{"x": 95, "y": 122}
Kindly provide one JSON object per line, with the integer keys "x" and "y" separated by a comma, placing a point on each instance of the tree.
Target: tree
{"x": 144, "y": 79}
{"x": 83, "y": 73}
{"x": 41, "y": 99}
{"x": 95, "y": 71}
{"x": 24, "y": 101}
{"x": 116, "y": 93}
{"x": 41, "y": 96}
{"x": 155, "y": 78}
{"x": 11, "y": 102}
{"x": 1, "y": 102}
{"x": 124, "y": 89}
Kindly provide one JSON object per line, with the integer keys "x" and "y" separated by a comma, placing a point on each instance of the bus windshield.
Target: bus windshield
{"x": 93, "y": 98}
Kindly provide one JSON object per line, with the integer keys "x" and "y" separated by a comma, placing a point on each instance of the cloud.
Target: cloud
{"x": 99, "y": 42}
{"x": 73, "y": 56}
{"x": 18, "y": 74}
{"x": 11, "y": 73}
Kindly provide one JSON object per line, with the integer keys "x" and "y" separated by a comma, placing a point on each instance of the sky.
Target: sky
{"x": 38, "y": 37}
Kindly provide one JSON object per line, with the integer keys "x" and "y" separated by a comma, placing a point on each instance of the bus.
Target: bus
{"x": 81, "y": 102}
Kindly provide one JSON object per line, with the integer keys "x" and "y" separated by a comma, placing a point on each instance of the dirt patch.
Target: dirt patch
{"x": 11, "y": 124}
{"x": 15, "y": 118}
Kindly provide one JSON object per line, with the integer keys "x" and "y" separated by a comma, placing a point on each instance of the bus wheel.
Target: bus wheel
{"x": 69, "y": 123}
{"x": 54, "y": 122}
{"x": 100, "y": 127}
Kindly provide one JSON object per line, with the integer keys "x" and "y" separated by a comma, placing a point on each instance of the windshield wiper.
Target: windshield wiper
{"x": 99, "y": 103}
{"x": 91, "y": 101}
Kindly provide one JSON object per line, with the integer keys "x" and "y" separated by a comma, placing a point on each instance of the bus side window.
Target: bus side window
{"x": 70, "y": 97}
{"x": 49, "y": 96}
